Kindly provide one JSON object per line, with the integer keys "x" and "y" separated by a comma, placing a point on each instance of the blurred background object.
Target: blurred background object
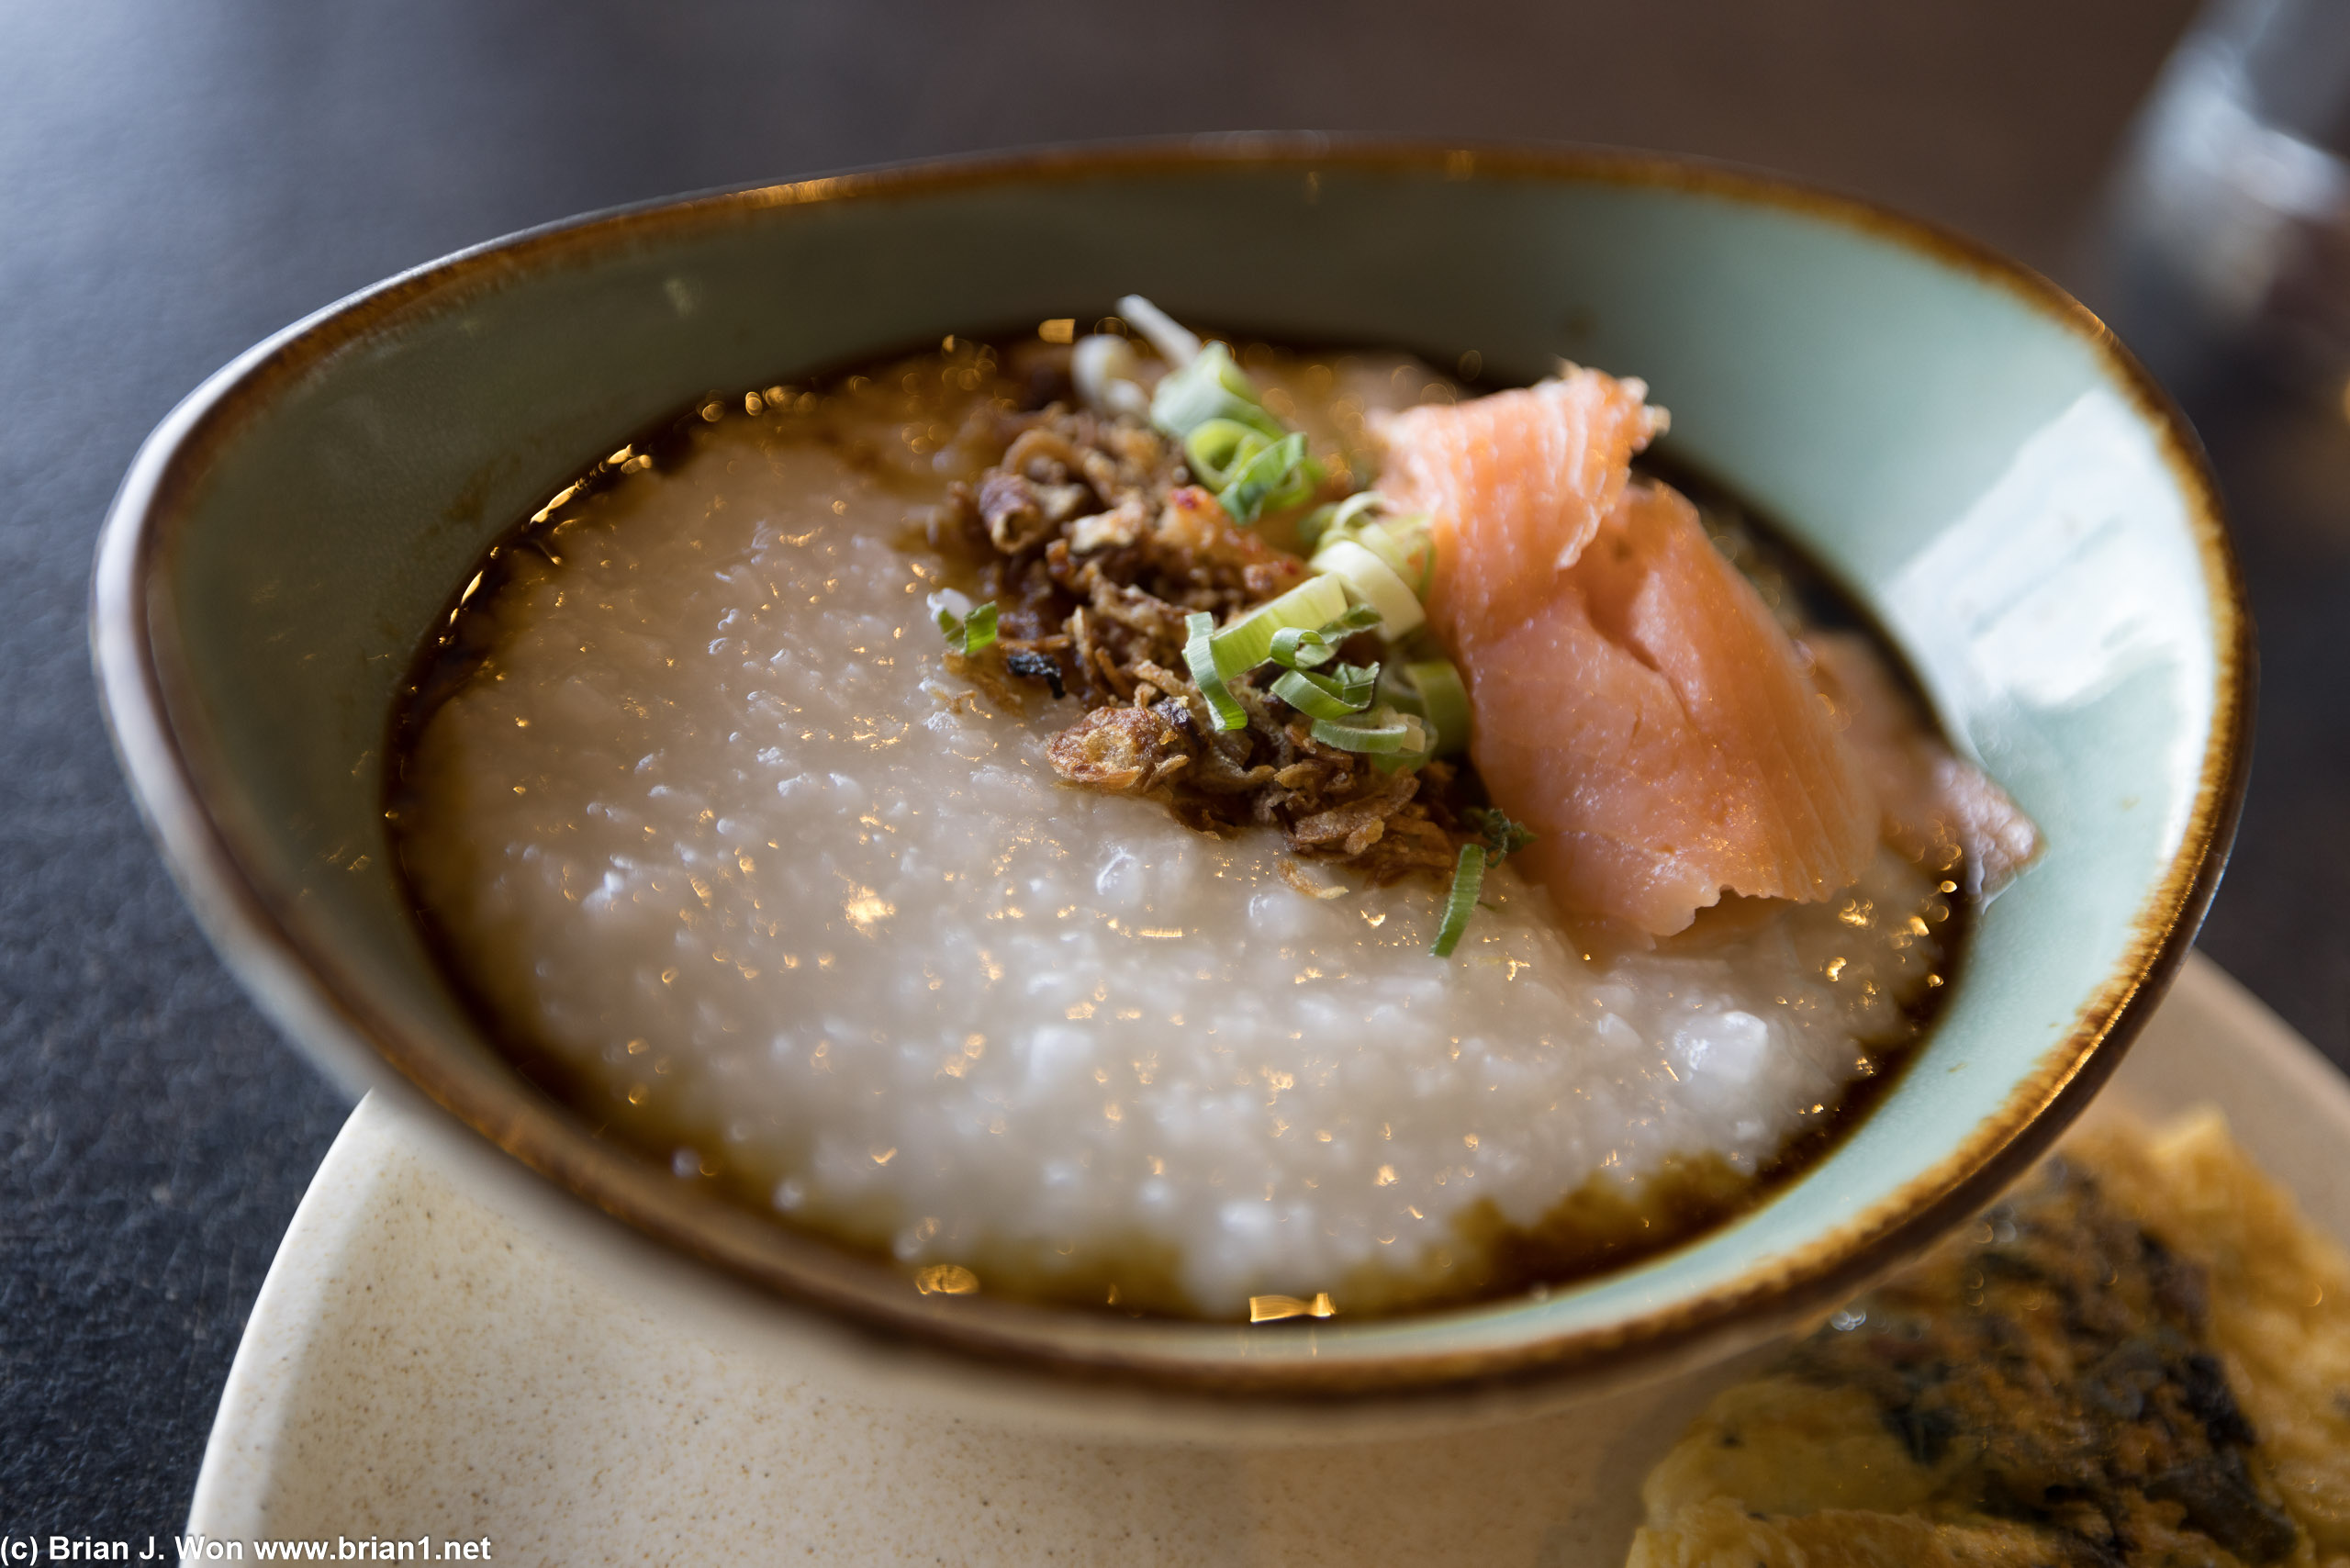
{"x": 178, "y": 181}
{"x": 2223, "y": 257}
{"x": 2229, "y": 240}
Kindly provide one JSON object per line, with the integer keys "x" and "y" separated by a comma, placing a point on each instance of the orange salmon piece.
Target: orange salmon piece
{"x": 1656, "y": 728}
{"x": 1636, "y": 703}
{"x": 1514, "y": 483}
{"x": 1939, "y": 810}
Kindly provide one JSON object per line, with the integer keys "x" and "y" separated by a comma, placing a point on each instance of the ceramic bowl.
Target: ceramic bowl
{"x": 1965, "y": 447}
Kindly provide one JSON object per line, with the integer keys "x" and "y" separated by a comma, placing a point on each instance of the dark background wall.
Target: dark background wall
{"x": 177, "y": 179}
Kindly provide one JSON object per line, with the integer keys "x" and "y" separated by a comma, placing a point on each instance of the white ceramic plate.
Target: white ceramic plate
{"x": 423, "y": 1359}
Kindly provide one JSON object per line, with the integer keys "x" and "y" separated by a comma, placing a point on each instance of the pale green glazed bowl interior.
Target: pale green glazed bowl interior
{"x": 1964, "y": 447}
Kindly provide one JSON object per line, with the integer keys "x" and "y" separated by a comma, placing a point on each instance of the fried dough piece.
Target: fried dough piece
{"x": 2141, "y": 1358}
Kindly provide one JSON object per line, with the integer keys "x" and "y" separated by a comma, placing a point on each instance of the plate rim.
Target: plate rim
{"x": 242, "y": 1454}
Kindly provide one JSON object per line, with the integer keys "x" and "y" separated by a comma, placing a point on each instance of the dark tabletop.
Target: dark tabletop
{"x": 177, "y": 180}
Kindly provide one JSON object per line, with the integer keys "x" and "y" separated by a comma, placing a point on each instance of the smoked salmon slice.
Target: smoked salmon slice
{"x": 1635, "y": 702}
{"x": 1939, "y": 810}
{"x": 1516, "y": 482}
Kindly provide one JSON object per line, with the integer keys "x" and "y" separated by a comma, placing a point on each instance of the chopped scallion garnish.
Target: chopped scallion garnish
{"x": 1296, "y": 648}
{"x": 1200, "y": 654}
{"x": 968, "y": 631}
{"x": 1433, "y": 689}
{"x": 1313, "y": 695}
{"x": 1218, "y": 451}
{"x": 1346, "y": 690}
{"x": 1177, "y": 344}
{"x": 1399, "y": 541}
{"x": 1404, "y": 543}
{"x": 1276, "y": 476}
{"x": 1468, "y": 878}
{"x": 1249, "y": 458}
{"x": 1105, "y": 367}
{"x": 1373, "y": 582}
{"x": 1248, "y": 642}
{"x": 1354, "y": 506}
{"x": 1357, "y": 684}
{"x": 1381, "y": 731}
{"x": 1210, "y": 387}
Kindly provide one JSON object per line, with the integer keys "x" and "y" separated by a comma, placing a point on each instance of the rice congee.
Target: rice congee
{"x": 855, "y": 809}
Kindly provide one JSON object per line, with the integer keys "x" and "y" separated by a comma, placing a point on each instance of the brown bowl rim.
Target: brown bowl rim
{"x": 258, "y": 932}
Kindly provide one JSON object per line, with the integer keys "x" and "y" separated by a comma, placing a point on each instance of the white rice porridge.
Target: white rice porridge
{"x": 714, "y": 830}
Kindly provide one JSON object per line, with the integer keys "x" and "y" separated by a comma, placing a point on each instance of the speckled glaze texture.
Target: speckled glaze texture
{"x": 1963, "y": 446}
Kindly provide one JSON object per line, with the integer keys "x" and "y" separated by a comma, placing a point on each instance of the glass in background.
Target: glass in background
{"x": 2224, "y": 262}
{"x": 2227, "y": 244}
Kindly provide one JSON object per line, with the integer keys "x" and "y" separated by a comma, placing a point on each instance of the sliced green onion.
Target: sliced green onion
{"x": 1468, "y": 878}
{"x": 1495, "y": 827}
{"x": 1357, "y": 684}
{"x": 1433, "y": 689}
{"x": 1396, "y": 699}
{"x": 1200, "y": 654}
{"x": 1403, "y": 542}
{"x": 1208, "y": 404}
{"x": 1176, "y": 342}
{"x": 1345, "y": 691}
{"x": 1303, "y": 480}
{"x": 1248, "y": 642}
{"x": 1403, "y": 545}
{"x": 968, "y": 631}
{"x": 1105, "y": 367}
{"x": 1381, "y": 731}
{"x": 1294, "y": 647}
{"x": 1265, "y": 476}
{"x": 1354, "y": 506}
{"x": 1218, "y": 451}
{"x": 1415, "y": 757}
{"x": 1373, "y": 582}
{"x": 1315, "y": 696}
{"x": 1211, "y": 388}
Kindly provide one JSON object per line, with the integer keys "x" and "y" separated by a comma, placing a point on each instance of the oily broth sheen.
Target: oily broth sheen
{"x": 706, "y": 833}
